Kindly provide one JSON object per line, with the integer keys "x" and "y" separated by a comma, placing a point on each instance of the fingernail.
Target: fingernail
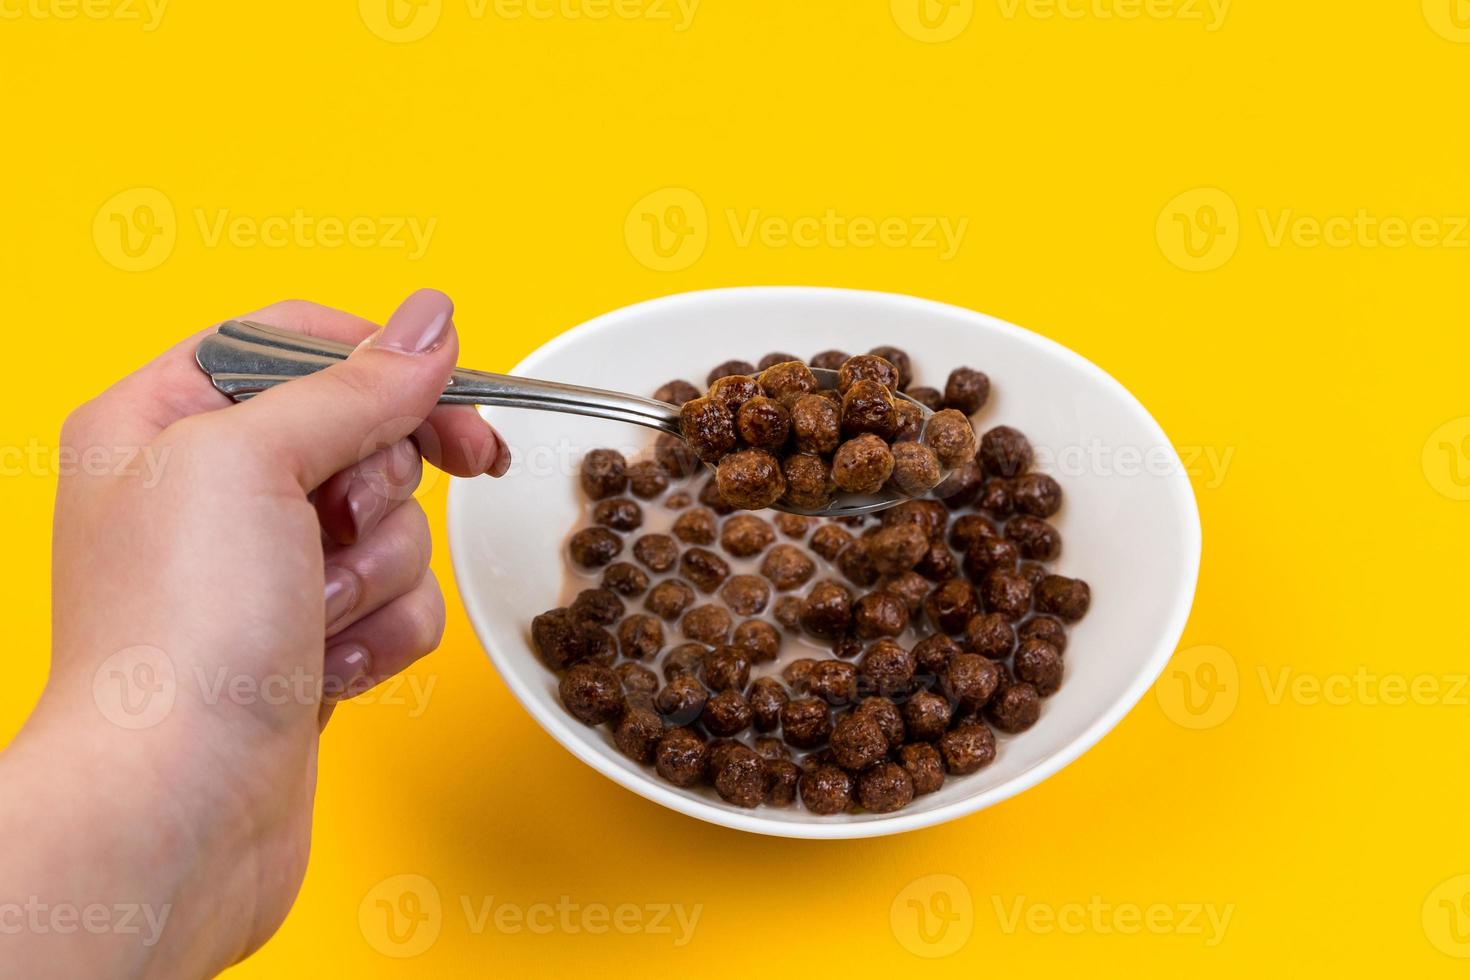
{"x": 341, "y": 594}
{"x": 501, "y": 462}
{"x": 345, "y": 668}
{"x": 367, "y": 501}
{"x": 419, "y": 325}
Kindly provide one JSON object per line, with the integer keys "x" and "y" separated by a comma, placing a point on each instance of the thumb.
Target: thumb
{"x": 325, "y": 422}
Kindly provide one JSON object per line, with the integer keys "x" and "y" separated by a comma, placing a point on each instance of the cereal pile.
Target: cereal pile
{"x": 852, "y": 664}
{"x": 777, "y": 435}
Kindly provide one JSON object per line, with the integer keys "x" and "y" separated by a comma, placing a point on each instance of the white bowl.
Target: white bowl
{"x": 1130, "y": 525}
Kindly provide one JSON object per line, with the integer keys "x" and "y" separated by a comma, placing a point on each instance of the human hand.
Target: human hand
{"x": 271, "y": 546}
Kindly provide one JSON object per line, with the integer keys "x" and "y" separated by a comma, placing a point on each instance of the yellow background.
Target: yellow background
{"x": 1080, "y": 148}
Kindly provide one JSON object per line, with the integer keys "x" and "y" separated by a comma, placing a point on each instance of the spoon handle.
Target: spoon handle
{"x": 244, "y": 359}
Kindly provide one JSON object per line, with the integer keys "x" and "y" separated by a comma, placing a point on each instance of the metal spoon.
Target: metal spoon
{"x": 244, "y": 358}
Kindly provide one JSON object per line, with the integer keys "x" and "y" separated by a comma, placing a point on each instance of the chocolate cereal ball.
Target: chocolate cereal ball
{"x": 967, "y": 390}
{"x": 767, "y": 697}
{"x": 640, "y": 637}
{"x": 961, "y": 486}
{"x": 795, "y": 526}
{"x": 788, "y": 567}
{"x": 968, "y": 748}
{"x": 759, "y": 638}
{"x": 857, "y": 742}
{"x": 593, "y": 547}
{"x": 788, "y": 382}
{"x": 834, "y": 681}
{"x": 830, "y": 360}
{"x": 1004, "y": 451}
{"x": 1040, "y": 665}
{"x": 1034, "y": 537}
{"x": 564, "y": 639}
{"x": 1007, "y": 593}
{"x": 764, "y": 423}
{"x": 686, "y": 658}
{"x": 600, "y": 606}
{"x": 901, "y": 361}
{"x": 916, "y": 469}
{"x": 867, "y": 367}
{"x": 710, "y": 496}
{"x": 708, "y": 624}
{"x": 674, "y": 456}
{"x": 746, "y": 595}
{"x": 699, "y": 525}
{"x": 604, "y": 473}
{"x": 887, "y": 716}
{"x": 970, "y": 528}
{"x": 592, "y": 693}
{"x": 951, "y": 437}
{"x": 990, "y": 555}
{"x": 879, "y": 614}
{"x": 708, "y": 428}
{"x": 638, "y": 733}
{"x": 751, "y": 479}
{"x": 625, "y": 579}
{"x": 669, "y": 599}
{"x": 862, "y": 464}
{"x": 909, "y": 421}
{"x": 1046, "y": 629}
{"x": 788, "y": 611}
{"x": 991, "y": 635}
{"x": 782, "y": 779}
{"x": 1037, "y": 494}
{"x": 771, "y": 748}
{"x": 829, "y": 540}
{"x": 950, "y": 606}
{"x": 867, "y": 406}
{"x": 816, "y": 424}
{"x": 856, "y": 564}
{"x": 924, "y": 765}
{"x": 929, "y": 516}
{"x": 745, "y": 535}
{"x": 910, "y": 587}
{"x": 808, "y": 480}
{"x": 676, "y": 392}
{"x": 995, "y": 498}
{"x": 930, "y": 398}
{"x": 938, "y": 563}
{"x": 933, "y": 654}
{"x": 636, "y": 678}
{"x": 885, "y": 788}
{"x": 682, "y": 700}
{"x": 805, "y": 722}
{"x": 647, "y": 479}
{"x": 704, "y": 568}
{"x": 1015, "y": 709}
{"x": 727, "y": 369}
{"x": 827, "y": 611}
{"x": 887, "y": 669}
{"x": 733, "y": 391}
{"x": 926, "y": 716}
{"x": 826, "y": 790}
{"x": 971, "y": 680}
{"x": 656, "y": 552}
{"x": 774, "y": 358}
{"x": 1065, "y": 597}
{"x": 726, "y": 714}
{"x": 726, "y": 668}
{"x": 898, "y": 548}
{"x": 618, "y": 513}
{"x": 680, "y": 757}
{"x": 797, "y": 672}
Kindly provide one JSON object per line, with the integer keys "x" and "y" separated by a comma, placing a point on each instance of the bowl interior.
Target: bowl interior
{"x": 1129, "y": 522}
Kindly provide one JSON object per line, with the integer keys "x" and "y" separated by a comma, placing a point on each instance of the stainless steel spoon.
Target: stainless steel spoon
{"x": 244, "y": 359}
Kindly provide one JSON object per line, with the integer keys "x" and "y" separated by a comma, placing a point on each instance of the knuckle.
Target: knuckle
{"x": 429, "y": 615}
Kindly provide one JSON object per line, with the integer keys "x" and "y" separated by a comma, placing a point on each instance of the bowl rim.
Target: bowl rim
{"x": 559, "y": 726}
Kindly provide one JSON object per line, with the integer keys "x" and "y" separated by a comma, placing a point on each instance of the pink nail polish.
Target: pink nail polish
{"x": 346, "y": 671}
{"x": 341, "y": 594}
{"x": 419, "y": 325}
